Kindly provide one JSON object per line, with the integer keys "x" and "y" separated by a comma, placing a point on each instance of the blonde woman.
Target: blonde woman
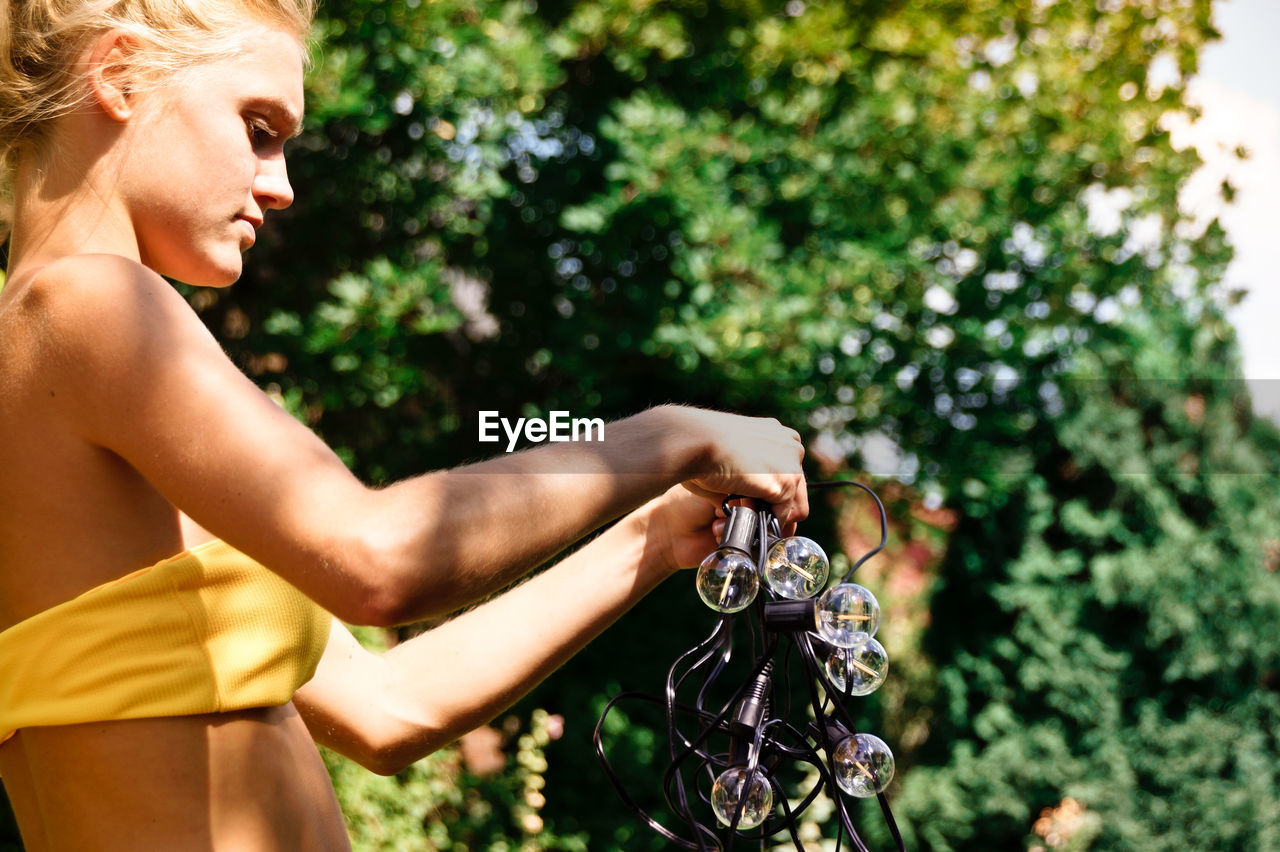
{"x": 160, "y": 689}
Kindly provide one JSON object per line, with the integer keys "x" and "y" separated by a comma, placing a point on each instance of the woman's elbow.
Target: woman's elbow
{"x": 377, "y": 605}
{"x": 367, "y": 602}
{"x": 377, "y": 586}
{"x": 392, "y": 584}
{"x": 384, "y": 764}
{"x": 393, "y": 756}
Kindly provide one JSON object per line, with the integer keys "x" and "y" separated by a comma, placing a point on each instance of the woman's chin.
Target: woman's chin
{"x": 219, "y": 272}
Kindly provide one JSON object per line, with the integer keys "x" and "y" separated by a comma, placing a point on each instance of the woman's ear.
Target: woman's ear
{"x": 109, "y": 71}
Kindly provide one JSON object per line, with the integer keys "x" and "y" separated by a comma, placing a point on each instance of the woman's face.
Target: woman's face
{"x": 205, "y": 158}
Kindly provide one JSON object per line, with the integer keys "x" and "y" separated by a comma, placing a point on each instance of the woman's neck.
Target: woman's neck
{"x": 64, "y": 205}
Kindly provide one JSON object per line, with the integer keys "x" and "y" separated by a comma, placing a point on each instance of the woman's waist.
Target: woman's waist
{"x": 249, "y": 779}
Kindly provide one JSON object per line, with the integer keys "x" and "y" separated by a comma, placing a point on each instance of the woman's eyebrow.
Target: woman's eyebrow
{"x": 279, "y": 113}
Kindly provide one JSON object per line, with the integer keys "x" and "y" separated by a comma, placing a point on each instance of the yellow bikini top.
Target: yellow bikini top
{"x": 205, "y": 631}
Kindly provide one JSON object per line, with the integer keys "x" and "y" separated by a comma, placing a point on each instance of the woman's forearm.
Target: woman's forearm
{"x": 460, "y": 675}
{"x": 449, "y": 538}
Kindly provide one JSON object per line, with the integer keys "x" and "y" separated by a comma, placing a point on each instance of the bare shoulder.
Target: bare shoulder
{"x": 91, "y": 316}
{"x": 96, "y": 294}
{"x": 100, "y": 334}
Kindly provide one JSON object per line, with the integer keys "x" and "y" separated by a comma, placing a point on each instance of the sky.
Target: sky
{"x": 1238, "y": 88}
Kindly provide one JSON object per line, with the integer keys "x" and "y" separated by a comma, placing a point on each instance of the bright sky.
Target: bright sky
{"x": 1239, "y": 90}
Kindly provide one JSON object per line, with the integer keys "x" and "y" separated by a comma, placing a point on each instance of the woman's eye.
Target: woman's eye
{"x": 259, "y": 132}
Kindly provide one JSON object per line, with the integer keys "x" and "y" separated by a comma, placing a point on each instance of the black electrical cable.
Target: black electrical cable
{"x": 884, "y": 519}
{"x": 773, "y": 742}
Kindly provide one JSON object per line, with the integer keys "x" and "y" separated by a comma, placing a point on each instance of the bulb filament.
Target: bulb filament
{"x": 849, "y": 616}
{"x": 865, "y": 669}
{"x": 803, "y": 573}
{"x": 724, "y": 590}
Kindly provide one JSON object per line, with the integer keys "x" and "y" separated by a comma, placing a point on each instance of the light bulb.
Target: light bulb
{"x": 796, "y": 568}
{"x": 751, "y": 788}
{"x": 859, "y": 670}
{"x": 846, "y": 615}
{"x": 727, "y": 580}
{"x": 864, "y": 765}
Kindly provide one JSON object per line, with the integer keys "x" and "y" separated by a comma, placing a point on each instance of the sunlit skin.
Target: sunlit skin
{"x": 126, "y": 436}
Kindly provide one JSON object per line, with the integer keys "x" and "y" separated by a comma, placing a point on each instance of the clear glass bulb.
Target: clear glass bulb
{"x": 846, "y": 615}
{"x": 859, "y": 670}
{"x": 727, "y": 580}
{"x": 751, "y": 787}
{"x": 796, "y": 568}
{"x": 864, "y": 765}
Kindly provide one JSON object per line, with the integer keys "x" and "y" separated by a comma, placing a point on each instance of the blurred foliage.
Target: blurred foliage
{"x": 453, "y": 802}
{"x": 942, "y": 240}
{"x": 440, "y": 804}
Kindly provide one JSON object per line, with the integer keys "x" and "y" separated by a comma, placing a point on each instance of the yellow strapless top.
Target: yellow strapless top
{"x": 206, "y": 631}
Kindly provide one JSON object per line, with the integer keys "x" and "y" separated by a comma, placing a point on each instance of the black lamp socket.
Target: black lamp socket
{"x": 789, "y": 616}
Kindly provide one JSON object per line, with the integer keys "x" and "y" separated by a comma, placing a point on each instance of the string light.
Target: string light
{"x": 864, "y": 765}
{"x": 796, "y": 568}
{"x": 728, "y": 579}
{"x": 731, "y": 751}
{"x": 847, "y": 615}
{"x": 857, "y": 671}
{"x": 741, "y": 797}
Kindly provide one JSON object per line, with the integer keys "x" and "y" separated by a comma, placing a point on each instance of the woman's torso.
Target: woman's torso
{"x": 249, "y": 780}
{"x": 73, "y": 516}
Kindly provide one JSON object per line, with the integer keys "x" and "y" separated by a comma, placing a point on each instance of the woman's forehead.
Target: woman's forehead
{"x": 267, "y": 69}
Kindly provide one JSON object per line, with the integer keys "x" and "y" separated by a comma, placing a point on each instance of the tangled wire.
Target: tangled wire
{"x": 757, "y": 726}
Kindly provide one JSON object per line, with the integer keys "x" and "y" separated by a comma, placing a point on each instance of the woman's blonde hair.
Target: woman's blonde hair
{"x": 41, "y": 42}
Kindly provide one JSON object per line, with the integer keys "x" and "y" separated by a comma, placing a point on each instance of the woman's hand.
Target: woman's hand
{"x": 752, "y": 457}
{"x": 680, "y": 528}
{"x": 388, "y": 711}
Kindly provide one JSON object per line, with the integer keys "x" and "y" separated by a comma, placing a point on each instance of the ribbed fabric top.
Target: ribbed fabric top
{"x": 205, "y": 631}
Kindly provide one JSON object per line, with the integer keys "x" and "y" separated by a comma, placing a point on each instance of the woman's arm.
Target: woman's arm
{"x": 387, "y": 711}
{"x": 134, "y": 372}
